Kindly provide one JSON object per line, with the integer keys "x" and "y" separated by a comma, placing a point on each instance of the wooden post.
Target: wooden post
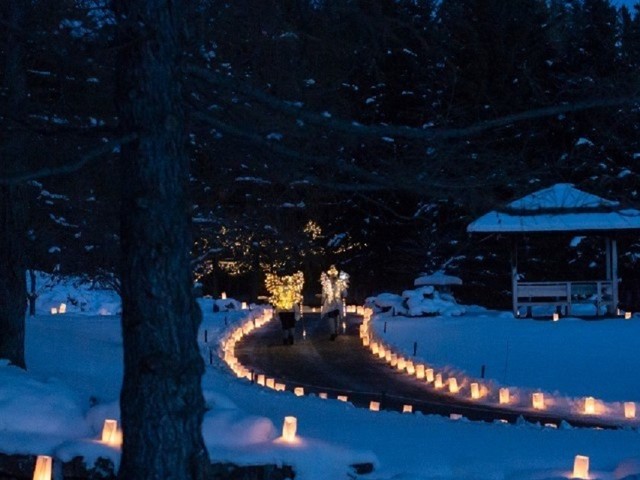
{"x": 514, "y": 273}
{"x": 614, "y": 276}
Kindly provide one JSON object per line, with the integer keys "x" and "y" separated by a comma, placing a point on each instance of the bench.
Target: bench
{"x": 562, "y": 295}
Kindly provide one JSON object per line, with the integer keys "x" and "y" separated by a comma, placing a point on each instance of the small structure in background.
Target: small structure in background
{"x": 559, "y": 209}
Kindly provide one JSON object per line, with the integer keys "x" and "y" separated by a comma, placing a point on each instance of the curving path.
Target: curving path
{"x": 345, "y": 367}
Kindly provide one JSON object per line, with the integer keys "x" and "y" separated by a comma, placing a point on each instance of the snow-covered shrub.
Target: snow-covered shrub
{"x": 422, "y": 301}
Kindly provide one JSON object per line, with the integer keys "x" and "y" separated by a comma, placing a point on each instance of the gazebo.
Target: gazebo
{"x": 562, "y": 208}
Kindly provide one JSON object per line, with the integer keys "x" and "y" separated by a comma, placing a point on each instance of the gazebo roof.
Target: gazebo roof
{"x": 560, "y": 208}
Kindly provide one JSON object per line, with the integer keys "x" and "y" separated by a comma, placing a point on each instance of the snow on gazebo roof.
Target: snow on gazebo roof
{"x": 560, "y": 208}
{"x": 437, "y": 278}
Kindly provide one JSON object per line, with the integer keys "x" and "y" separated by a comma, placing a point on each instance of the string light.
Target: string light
{"x": 284, "y": 291}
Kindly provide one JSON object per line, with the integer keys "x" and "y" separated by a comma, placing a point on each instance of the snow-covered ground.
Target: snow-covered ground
{"x": 75, "y": 369}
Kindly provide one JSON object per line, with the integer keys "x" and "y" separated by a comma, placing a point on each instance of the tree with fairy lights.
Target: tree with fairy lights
{"x": 334, "y": 289}
{"x": 285, "y": 294}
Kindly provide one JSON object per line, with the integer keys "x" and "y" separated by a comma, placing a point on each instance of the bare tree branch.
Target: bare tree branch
{"x": 88, "y": 157}
{"x": 352, "y": 127}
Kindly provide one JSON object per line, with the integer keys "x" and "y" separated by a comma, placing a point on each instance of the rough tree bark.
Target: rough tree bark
{"x": 13, "y": 210}
{"x": 161, "y": 400}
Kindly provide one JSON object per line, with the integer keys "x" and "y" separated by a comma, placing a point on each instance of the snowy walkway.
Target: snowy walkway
{"x": 344, "y": 367}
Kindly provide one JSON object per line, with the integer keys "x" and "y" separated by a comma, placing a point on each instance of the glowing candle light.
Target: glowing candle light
{"x": 537, "y": 400}
{"x": 411, "y": 369}
{"x": 42, "y": 470}
{"x": 365, "y": 341}
{"x": 407, "y": 409}
{"x": 589, "y": 405}
{"x": 455, "y": 416}
{"x": 62, "y": 308}
{"x": 374, "y": 348}
{"x": 323, "y": 395}
{"x": 381, "y": 352}
{"x": 402, "y": 363}
{"x": 394, "y": 359}
{"x": 54, "y": 311}
{"x": 453, "y": 385}
{"x": 556, "y": 317}
{"x": 223, "y": 295}
{"x": 374, "y": 406}
{"x": 438, "y": 381}
{"x": 581, "y": 467}
{"x": 261, "y": 379}
{"x": 475, "y": 390}
{"x": 289, "y": 428}
{"x": 629, "y": 410}
{"x": 428, "y": 375}
{"x": 504, "y": 395}
{"x": 110, "y": 433}
{"x": 280, "y": 387}
{"x": 244, "y": 306}
{"x": 420, "y": 371}
{"x": 343, "y": 398}
{"x": 298, "y": 391}
{"x": 270, "y": 383}
{"x": 387, "y": 356}
{"x": 627, "y": 315}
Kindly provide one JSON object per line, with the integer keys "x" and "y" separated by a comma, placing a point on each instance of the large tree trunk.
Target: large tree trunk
{"x": 161, "y": 401}
{"x": 13, "y": 210}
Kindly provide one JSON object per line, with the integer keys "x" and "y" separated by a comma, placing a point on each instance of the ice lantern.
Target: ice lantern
{"x": 42, "y": 470}
{"x": 537, "y": 399}
{"x": 110, "y": 433}
{"x": 374, "y": 406}
{"x": 629, "y": 410}
{"x": 581, "y": 467}
{"x": 438, "y": 381}
{"x": 289, "y": 428}
{"x": 223, "y": 295}
{"x": 475, "y": 390}
{"x": 504, "y": 395}
{"x": 589, "y": 405}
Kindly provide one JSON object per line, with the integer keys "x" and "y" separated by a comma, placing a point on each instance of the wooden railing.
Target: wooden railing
{"x": 563, "y": 295}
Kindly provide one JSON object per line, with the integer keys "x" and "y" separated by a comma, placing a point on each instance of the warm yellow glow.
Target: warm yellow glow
{"x": 394, "y": 360}
{"x": 62, "y": 308}
{"x": 428, "y": 375}
{"x": 381, "y": 352}
{"x": 387, "y": 356}
{"x": 556, "y": 317}
{"x": 374, "y": 348}
{"x": 475, "y": 390}
{"x": 627, "y": 315}
{"x": 453, "y": 385}
{"x": 420, "y": 371}
{"x": 111, "y": 435}
{"x": 407, "y": 409}
{"x": 42, "y": 470}
{"x": 438, "y": 381}
{"x": 402, "y": 363}
{"x": 589, "y": 405}
{"x": 365, "y": 341}
{"x": 537, "y": 400}
{"x": 243, "y": 305}
{"x": 261, "y": 379}
{"x": 374, "y": 406}
{"x": 280, "y": 387}
{"x": 581, "y": 467}
{"x": 223, "y": 295}
{"x": 289, "y": 428}
{"x": 270, "y": 383}
{"x": 54, "y": 311}
{"x": 629, "y": 410}
{"x": 343, "y": 398}
{"x": 411, "y": 369}
{"x": 323, "y": 395}
{"x": 285, "y": 291}
{"x": 298, "y": 391}
{"x": 504, "y": 395}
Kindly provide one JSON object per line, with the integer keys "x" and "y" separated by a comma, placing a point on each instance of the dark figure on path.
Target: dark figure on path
{"x": 288, "y": 320}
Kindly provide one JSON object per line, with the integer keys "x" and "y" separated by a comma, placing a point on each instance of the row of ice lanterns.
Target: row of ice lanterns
{"x": 111, "y": 435}
{"x": 290, "y": 424}
{"x": 620, "y": 313}
{"x": 61, "y": 309}
{"x": 477, "y": 391}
